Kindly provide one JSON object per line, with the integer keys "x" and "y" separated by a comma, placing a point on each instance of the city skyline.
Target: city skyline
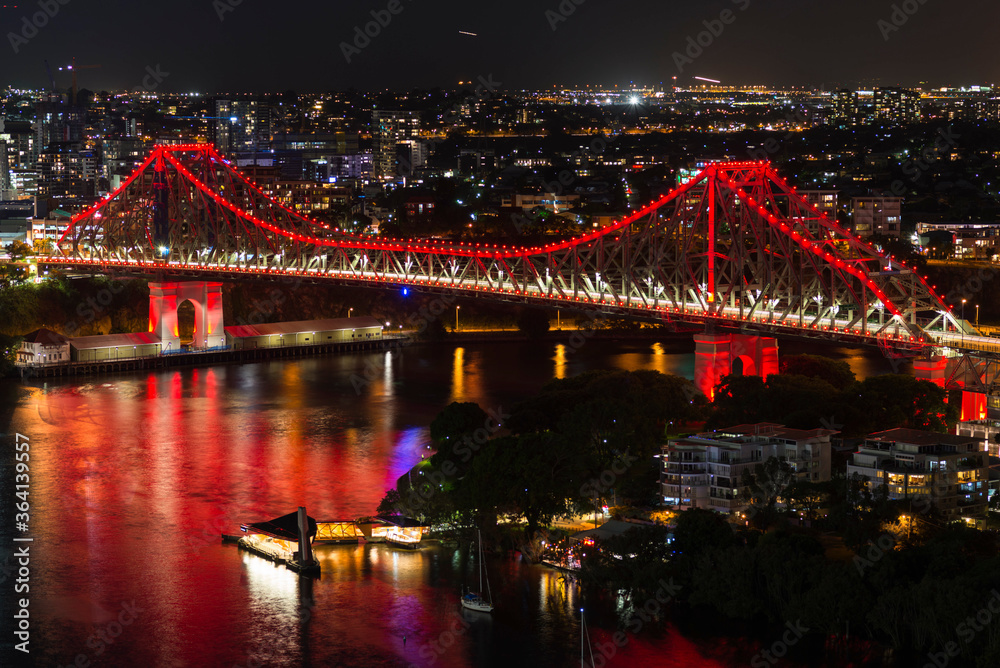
{"x": 526, "y": 46}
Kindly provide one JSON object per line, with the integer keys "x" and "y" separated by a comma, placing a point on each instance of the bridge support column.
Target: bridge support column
{"x": 715, "y": 355}
{"x": 711, "y": 361}
{"x": 934, "y": 369}
{"x": 973, "y": 406}
{"x": 164, "y": 298}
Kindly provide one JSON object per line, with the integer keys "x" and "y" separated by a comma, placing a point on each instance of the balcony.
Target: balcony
{"x": 727, "y": 504}
{"x": 686, "y": 480}
{"x": 686, "y": 469}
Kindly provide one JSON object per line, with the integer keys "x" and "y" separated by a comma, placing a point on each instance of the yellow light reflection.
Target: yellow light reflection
{"x": 458, "y": 376}
{"x": 560, "y": 360}
{"x": 659, "y": 358}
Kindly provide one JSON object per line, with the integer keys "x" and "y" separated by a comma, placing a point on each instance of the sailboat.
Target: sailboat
{"x": 475, "y": 600}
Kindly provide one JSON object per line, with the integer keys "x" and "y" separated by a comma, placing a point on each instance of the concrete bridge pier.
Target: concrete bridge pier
{"x": 164, "y": 298}
{"x": 717, "y": 355}
{"x": 934, "y": 369}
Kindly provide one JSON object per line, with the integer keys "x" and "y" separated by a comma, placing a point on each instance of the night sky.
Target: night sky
{"x": 276, "y": 46}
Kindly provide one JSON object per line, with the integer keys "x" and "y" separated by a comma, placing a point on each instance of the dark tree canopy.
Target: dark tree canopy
{"x": 804, "y": 402}
{"x": 835, "y": 372}
{"x": 533, "y": 322}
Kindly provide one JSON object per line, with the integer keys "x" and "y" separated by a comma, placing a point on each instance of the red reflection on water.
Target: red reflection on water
{"x": 134, "y": 480}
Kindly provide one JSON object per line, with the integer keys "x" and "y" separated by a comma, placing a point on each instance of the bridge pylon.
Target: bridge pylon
{"x": 716, "y": 355}
{"x": 165, "y": 298}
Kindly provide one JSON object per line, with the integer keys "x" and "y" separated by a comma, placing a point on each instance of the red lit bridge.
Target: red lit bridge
{"x": 735, "y": 246}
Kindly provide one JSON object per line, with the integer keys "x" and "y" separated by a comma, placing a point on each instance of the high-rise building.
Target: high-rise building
{"x": 67, "y": 175}
{"x": 410, "y": 155}
{"x": 22, "y": 144}
{"x": 58, "y": 123}
{"x": 6, "y": 189}
{"x": 853, "y": 107}
{"x": 897, "y": 105}
{"x": 242, "y": 125}
{"x": 357, "y": 166}
{"x": 392, "y": 128}
{"x": 876, "y": 216}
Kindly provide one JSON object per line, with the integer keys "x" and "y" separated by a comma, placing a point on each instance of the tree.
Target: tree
{"x": 808, "y": 496}
{"x": 18, "y": 250}
{"x": 835, "y": 372}
{"x": 456, "y": 422}
{"x": 533, "y": 322}
{"x": 434, "y": 330}
{"x": 699, "y": 530}
{"x": 9, "y": 346}
{"x": 529, "y": 476}
{"x": 899, "y": 400}
{"x": 738, "y": 400}
{"x": 16, "y": 270}
{"x": 43, "y": 247}
{"x": 611, "y": 417}
{"x": 764, "y": 487}
{"x": 634, "y": 563}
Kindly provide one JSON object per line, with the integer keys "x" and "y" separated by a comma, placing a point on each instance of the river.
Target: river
{"x": 133, "y": 478}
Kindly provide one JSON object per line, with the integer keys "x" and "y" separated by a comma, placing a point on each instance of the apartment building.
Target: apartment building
{"x": 952, "y": 472}
{"x": 706, "y": 470}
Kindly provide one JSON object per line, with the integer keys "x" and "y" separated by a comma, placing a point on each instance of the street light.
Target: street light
{"x": 456, "y": 317}
{"x": 349, "y": 311}
{"x": 977, "y": 316}
{"x": 963, "y": 322}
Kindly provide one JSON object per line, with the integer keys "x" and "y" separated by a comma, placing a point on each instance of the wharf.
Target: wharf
{"x": 206, "y": 358}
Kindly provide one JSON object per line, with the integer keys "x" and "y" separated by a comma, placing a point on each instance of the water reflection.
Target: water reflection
{"x": 560, "y": 360}
{"x": 135, "y": 476}
{"x": 458, "y": 376}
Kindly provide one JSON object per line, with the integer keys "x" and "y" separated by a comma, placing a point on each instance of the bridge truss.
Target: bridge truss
{"x": 735, "y": 245}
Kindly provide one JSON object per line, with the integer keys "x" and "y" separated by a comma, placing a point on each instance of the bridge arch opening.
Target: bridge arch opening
{"x": 186, "y": 313}
{"x": 743, "y": 365}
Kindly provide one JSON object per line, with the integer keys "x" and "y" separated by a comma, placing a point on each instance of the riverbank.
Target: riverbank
{"x": 505, "y": 334}
{"x": 205, "y": 358}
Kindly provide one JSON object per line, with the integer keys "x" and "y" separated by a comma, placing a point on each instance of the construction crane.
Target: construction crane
{"x": 74, "y": 67}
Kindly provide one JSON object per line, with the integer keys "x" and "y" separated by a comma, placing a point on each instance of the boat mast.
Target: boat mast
{"x": 480, "y": 533}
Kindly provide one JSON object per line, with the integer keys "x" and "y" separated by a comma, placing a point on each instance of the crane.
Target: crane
{"x": 74, "y": 67}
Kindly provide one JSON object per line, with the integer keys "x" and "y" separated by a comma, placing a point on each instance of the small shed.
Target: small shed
{"x": 114, "y": 347}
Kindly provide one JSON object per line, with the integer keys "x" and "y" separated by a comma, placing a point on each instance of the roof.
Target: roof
{"x": 921, "y": 437}
{"x": 400, "y": 521}
{"x": 609, "y": 529}
{"x": 114, "y": 340}
{"x": 777, "y": 431}
{"x": 285, "y": 527}
{"x": 303, "y": 326}
{"x": 46, "y": 337}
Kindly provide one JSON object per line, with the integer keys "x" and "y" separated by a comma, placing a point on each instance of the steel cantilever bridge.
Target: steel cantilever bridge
{"x": 735, "y": 246}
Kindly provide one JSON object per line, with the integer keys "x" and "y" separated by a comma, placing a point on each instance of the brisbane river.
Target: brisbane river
{"x": 133, "y": 478}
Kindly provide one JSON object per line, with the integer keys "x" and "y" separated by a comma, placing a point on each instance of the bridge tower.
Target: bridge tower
{"x": 716, "y": 354}
{"x": 164, "y": 298}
